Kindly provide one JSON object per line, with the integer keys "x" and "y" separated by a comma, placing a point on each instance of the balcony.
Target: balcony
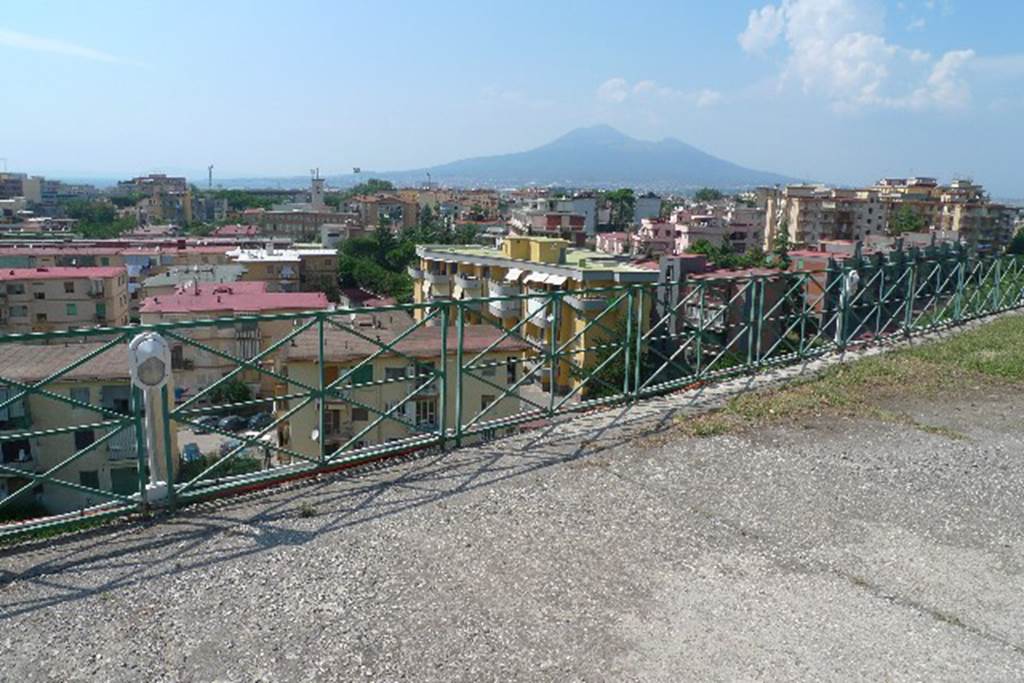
{"x": 415, "y": 273}
{"x": 505, "y": 309}
{"x": 122, "y": 445}
{"x": 470, "y": 285}
{"x": 498, "y": 288}
{"x": 587, "y": 304}
{"x": 435, "y": 278}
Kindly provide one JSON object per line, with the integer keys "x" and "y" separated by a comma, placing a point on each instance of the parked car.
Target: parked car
{"x": 260, "y": 420}
{"x": 190, "y": 453}
{"x": 228, "y": 446}
{"x": 204, "y": 424}
{"x": 232, "y": 423}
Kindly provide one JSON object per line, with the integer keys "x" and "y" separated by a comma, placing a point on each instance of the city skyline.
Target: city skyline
{"x": 839, "y": 90}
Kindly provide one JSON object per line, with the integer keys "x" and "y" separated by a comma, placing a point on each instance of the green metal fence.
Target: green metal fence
{"x": 328, "y": 389}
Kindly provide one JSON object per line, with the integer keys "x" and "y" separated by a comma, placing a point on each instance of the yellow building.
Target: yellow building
{"x": 195, "y": 368}
{"x": 102, "y": 381}
{"x": 49, "y": 299}
{"x": 537, "y": 266}
{"x": 387, "y": 381}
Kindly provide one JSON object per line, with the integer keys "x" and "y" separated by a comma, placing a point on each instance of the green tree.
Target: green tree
{"x": 622, "y": 202}
{"x": 1016, "y": 245}
{"x": 707, "y": 194}
{"x": 905, "y": 220}
{"x": 780, "y": 246}
{"x": 232, "y": 391}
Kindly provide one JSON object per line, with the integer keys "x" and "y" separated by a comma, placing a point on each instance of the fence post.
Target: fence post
{"x": 879, "y": 301}
{"x": 751, "y": 321}
{"x": 804, "y": 304}
{"x": 627, "y": 346}
{"x": 141, "y": 456}
{"x": 442, "y": 408}
{"x": 700, "y": 329}
{"x": 639, "y": 340}
{"x": 908, "y": 313}
{"x": 997, "y": 288}
{"x": 460, "y": 322}
{"x": 322, "y": 409}
{"x": 168, "y": 457}
{"x": 555, "y": 304}
{"x": 958, "y": 300}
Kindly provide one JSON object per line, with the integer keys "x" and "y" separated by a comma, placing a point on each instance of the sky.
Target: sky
{"x": 843, "y": 91}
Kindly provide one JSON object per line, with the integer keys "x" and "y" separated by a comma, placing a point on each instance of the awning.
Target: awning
{"x": 535, "y": 277}
{"x": 513, "y": 275}
{"x": 556, "y": 280}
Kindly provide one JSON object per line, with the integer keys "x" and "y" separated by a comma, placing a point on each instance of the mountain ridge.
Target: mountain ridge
{"x": 589, "y": 157}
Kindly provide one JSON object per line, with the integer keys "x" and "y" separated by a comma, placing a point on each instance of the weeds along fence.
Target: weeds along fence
{"x": 263, "y": 399}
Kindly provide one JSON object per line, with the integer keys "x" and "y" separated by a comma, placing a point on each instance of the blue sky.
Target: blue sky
{"x": 838, "y": 90}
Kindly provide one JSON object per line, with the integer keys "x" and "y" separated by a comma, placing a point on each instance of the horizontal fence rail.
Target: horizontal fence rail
{"x": 261, "y": 399}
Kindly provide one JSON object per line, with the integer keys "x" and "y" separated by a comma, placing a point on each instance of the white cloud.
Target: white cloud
{"x": 613, "y": 90}
{"x": 917, "y": 24}
{"x": 708, "y": 98}
{"x": 24, "y": 41}
{"x": 764, "y": 26}
{"x": 641, "y": 87}
{"x": 835, "y": 48}
{"x": 618, "y": 90}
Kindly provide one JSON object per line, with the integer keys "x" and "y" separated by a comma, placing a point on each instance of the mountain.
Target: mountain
{"x": 599, "y": 156}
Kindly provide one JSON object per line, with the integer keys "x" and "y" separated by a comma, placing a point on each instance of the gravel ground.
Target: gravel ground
{"x": 605, "y": 548}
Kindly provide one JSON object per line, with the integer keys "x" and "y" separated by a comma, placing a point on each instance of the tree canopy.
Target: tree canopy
{"x": 97, "y": 219}
{"x": 905, "y": 220}
{"x": 707, "y": 194}
{"x": 622, "y": 202}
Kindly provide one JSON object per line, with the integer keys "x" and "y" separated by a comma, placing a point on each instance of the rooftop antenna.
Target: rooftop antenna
{"x": 429, "y": 185}
{"x": 209, "y": 171}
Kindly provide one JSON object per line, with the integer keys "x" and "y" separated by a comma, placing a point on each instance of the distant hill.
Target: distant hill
{"x": 599, "y": 156}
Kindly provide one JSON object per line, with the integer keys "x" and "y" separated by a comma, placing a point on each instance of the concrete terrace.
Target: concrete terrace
{"x": 610, "y": 546}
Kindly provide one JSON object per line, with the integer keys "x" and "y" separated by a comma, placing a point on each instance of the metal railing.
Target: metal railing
{"x": 323, "y": 390}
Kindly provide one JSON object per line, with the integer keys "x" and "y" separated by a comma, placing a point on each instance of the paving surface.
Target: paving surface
{"x": 589, "y": 551}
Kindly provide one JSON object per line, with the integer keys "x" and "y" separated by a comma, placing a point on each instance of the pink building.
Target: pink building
{"x": 614, "y": 243}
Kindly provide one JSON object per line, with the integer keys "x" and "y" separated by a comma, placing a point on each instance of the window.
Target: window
{"x": 80, "y": 394}
{"x": 40, "y": 317}
{"x": 104, "y": 261}
{"x": 360, "y": 415}
{"x": 510, "y": 370}
{"x": 177, "y": 357}
{"x": 90, "y": 478}
{"x": 19, "y": 311}
{"x": 426, "y": 412}
{"x": 330, "y": 374}
{"x": 489, "y": 371}
{"x": 124, "y": 480}
{"x": 363, "y": 375}
{"x": 71, "y": 309}
{"x": 19, "y": 450}
{"x": 16, "y": 288}
{"x": 332, "y": 421}
{"x": 39, "y": 295}
{"x": 394, "y": 374}
{"x": 69, "y": 287}
{"x": 101, "y": 310}
{"x": 84, "y": 438}
{"x": 485, "y": 401}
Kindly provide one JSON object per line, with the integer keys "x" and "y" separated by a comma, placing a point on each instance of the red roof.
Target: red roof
{"x": 236, "y": 297}
{"x": 236, "y": 231}
{"x": 63, "y": 273}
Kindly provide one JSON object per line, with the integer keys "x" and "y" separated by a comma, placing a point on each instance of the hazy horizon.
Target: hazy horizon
{"x": 843, "y": 90}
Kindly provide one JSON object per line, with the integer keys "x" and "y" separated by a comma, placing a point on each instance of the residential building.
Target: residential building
{"x": 173, "y": 279}
{"x": 49, "y": 299}
{"x": 549, "y": 218}
{"x": 530, "y": 265}
{"x": 812, "y": 213}
{"x": 744, "y": 228}
{"x": 654, "y": 238}
{"x": 384, "y": 208}
{"x": 646, "y": 206}
{"x": 614, "y": 243}
{"x": 196, "y": 368}
{"x": 101, "y": 381}
{"x": 699, "y": 228}
{"x": 387, "y": 381}
{"x": 287, "y": 270}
